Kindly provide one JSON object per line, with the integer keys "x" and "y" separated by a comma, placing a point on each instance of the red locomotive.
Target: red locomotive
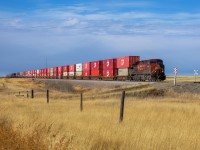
{"x": 150, "y": 70}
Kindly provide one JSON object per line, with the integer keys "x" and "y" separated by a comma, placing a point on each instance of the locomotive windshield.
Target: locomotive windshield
{"x": 156, "y": 62}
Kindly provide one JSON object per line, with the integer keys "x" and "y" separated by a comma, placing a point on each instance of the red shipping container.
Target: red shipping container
{"x": 45, "y": 72}
{"x": 97, "y": 73}
{"x": 87, "y": 66}
{"x": 55, "y": 71}
{"x": 60, "y": 71}
{"x": 110, "y": 73}
{"x": 127, "y": 61}
{"x": 72, "y": 68}
{"x": 97, "y": 65}
{"x": 48, "y": 72}
{"x": 109, "y": 64}
{"x": 86, "y": 73}
{"x": 65, "y": 68}
{"x": 40, "y": 72}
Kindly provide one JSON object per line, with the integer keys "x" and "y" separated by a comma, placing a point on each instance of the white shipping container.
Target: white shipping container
{"x": 79, "y": 67}
{"x": 65, "y": 74}
{"x": 124, "y": 72}
{"x": 51, "y": 70}
{"x": 51, "y": 74}
{"x": 71, "y": 74}
{"x": 38, "y": 71}
{"x": 78, "y": 74}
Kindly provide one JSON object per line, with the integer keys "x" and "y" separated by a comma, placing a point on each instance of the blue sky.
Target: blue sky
{"x": 67, "y": 32}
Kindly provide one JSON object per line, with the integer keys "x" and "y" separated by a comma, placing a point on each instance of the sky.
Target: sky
{"x": 39, "y": 33}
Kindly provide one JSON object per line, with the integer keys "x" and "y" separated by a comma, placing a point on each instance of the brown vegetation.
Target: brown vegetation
{"x": 154, "y": 118}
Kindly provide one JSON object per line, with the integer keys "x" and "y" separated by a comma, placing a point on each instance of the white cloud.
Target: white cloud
{"x": 80, "y": 19}
{"x": 70, "y": 22}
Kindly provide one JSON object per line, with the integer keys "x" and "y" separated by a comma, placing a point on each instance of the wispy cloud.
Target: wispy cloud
{"x": 74, "y": 21}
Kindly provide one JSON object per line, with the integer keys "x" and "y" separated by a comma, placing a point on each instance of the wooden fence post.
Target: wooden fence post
{"x": 122, "y": 107}
{"x": 47, "y": 96}
{"x": 32, "y": 93}
{"x": 81, "y": 102}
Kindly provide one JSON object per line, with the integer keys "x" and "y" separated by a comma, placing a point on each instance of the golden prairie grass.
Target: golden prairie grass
{"x": 182, "y": 78}
{"x": 149, "y": 123}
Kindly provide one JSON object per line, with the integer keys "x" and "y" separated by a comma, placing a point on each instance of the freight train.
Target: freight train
{"x": 123, "y": 68}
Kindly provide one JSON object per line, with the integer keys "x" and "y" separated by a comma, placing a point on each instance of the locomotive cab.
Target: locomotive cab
{"x": 151, "y": 70}
{"x": 157, "y": 69}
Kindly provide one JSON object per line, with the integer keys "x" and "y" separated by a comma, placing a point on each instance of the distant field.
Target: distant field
{"x": 156, "y": 117}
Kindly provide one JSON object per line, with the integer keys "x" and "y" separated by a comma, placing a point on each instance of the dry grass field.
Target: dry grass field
{"x": 156, "y": 117}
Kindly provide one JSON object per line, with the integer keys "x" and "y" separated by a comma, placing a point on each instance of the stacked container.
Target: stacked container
{"x": 72, "y": 71}
{"x": 110, "y": 68}
{"x": 87, "y": 70}
{"x": 48, "y": 73}
{"x": 51, "y": 73}
{"x": 65, "y": 72}
{"x": 55, "y": 72}
{"x": 38, "y": 73}
{"x": 30, "y": 73}
{"x": 124, "y": 64}
{"x": 60, "y": 72}
{"x": 79, "y": 70}
{"x": 96, "y": 69}
{"x": 45, "y": 73}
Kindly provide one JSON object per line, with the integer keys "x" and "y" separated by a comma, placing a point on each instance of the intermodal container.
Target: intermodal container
{"x": 71, "y": 74}
{"x": 48, "y": 72}
{"x": 60, "y": 71}
{"x": 79, "y": 73}
{"x": 97, "y": 73}
{"x": 44, "y": 72}
{"x": 65, "y": 68}
{"x": 127, "y": 61}
{"x": 86, "y": 73}
{"x": 110, "y": 73}
{"x": 65, "y": 71}
{"x": 65, "y": 74}
{"x": 109, "y": 64}
{"x": 51, "y": 72}
{"x": 97, "y": 65}
{"x": 79, "y": 67}
{"x": 41, "y": 73}
{"x": 72, "y": 68}
{"x": 87, "y": 66}
{"x": 124, "y": 72}
{"x": 55, "y": 72}
{"x": 21, "y": 73}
